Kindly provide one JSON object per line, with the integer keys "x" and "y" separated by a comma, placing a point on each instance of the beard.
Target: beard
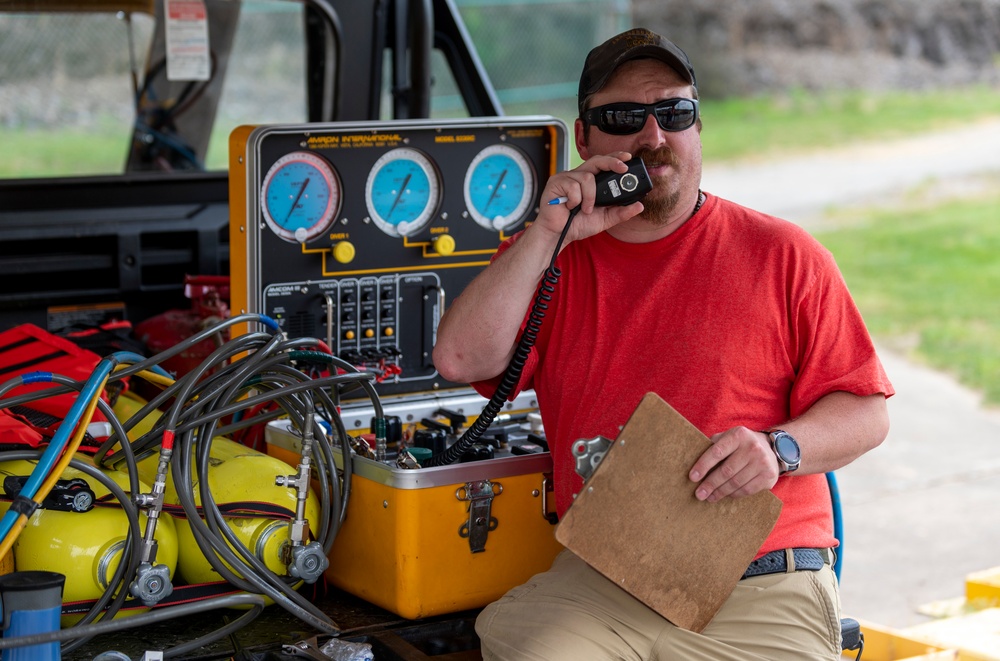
{"x": 661, "y": 202}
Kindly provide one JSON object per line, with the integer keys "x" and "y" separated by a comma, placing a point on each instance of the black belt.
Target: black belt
{"x": 776, "y": 562}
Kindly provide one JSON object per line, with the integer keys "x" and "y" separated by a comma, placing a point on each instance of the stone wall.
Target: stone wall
{"x": 743, "y": 46}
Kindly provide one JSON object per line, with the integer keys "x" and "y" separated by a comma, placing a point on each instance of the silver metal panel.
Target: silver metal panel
{"x": 411, "y": 408}
{"x": 281, "y": 434}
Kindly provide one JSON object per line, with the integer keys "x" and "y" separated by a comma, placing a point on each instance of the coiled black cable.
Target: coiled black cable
{"x": 512, "y": 375}
{"x": 223, "y": 385}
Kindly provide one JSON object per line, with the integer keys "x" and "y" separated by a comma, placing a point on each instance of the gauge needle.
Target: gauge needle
{"x": 302, "y": 189}
{"x": 402, "y": 189}
{"x": 495, "y": 190}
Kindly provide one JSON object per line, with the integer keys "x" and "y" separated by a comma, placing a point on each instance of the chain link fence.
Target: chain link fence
{"x": 533, "y": 50}
{"x": 76, "y": 74}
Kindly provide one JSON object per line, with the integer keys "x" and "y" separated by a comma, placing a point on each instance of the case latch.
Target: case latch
{"x": 480, "y": 496}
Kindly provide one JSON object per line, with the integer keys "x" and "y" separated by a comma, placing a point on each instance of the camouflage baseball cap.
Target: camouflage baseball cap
{"x": 633, "y": 44}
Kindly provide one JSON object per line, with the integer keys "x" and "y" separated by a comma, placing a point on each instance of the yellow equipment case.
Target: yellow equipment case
{"x": 430, "y": 541}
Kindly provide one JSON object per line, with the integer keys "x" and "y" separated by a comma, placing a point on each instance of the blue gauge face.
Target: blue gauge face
{"x": 300, "y": 196}
{"x": 499, "y": 187}
{"x": 402, "y": 192}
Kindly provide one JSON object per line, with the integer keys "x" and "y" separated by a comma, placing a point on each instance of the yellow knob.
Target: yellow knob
{"x": 343, "y": 252}
{"x": 369, "y": 332}
{"x": 388, "y": 332}
{"x": 349, "y": 335}
{"x": 444, "y": 244}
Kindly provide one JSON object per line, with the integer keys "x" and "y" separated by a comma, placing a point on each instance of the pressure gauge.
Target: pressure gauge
{"x": 403, "y": 192}
{"x": 499, "y": 187}
{"x": 300, "y": 196}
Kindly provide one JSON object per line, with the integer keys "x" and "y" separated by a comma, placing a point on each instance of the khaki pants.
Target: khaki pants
{"x": 573, "y": 613}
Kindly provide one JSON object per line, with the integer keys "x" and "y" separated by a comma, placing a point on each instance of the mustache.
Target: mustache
{"x": 661, "y": 156}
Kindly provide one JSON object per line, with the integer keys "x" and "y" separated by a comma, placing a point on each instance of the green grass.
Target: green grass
{"x": 927, "y": 280}
{"x": 741, "y": 128}
{"x": 53, "y": 153}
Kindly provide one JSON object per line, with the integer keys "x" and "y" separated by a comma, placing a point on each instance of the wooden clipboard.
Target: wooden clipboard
{"x": 637, "y": 521}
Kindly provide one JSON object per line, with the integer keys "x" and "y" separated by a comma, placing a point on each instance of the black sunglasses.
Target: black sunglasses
{"x": 625, "y": 118}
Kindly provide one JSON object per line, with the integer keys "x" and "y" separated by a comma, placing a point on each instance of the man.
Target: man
{"x": 742, "y": 322}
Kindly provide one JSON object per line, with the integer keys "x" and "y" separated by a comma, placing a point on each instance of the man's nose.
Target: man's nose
{"x": 651, "y": 135}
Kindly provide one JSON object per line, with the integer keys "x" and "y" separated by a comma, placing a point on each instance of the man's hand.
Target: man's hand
{"x": 739, "y": 463}
{"x": 579, "y": 187}
{"x": 476, "y": 337}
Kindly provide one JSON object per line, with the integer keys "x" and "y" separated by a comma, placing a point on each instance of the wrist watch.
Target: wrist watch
{"x": 786, "y": 449}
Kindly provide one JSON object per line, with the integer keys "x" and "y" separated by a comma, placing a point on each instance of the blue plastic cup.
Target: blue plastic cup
{"x": 31, "y": 603}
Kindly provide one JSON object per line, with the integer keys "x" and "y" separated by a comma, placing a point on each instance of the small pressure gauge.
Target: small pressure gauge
{"x": 499, "y": 187}
{"x": 300, "y": 196}
{"x": 403, "y": 192}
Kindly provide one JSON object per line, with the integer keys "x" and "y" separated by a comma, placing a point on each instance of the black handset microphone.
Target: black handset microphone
{"x": 612, "y": 189}
{"x": 622, "y": 189}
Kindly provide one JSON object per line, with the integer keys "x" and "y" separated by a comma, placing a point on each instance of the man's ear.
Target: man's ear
{"x": 580, "y": 133}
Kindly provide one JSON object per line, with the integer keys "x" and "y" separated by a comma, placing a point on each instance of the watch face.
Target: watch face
{"x": 787, "y": 448}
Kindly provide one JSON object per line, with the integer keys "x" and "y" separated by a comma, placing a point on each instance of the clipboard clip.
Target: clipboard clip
{"x": 589, "y": 453}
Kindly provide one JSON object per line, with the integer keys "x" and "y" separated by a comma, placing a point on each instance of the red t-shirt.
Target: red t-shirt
{"x": 736, "y": 318}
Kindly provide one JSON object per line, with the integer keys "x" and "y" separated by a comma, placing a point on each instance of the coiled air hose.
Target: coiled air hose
{"x": 512, "y": 375}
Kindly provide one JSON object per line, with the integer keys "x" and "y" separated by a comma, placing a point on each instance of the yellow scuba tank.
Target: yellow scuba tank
{"x": 237, "y": 474}
{"x": 85, "y": 546}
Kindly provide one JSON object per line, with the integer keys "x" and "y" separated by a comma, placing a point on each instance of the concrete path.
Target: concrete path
{"x": 802, "y": 188}
{"x": 923, "y": 510}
